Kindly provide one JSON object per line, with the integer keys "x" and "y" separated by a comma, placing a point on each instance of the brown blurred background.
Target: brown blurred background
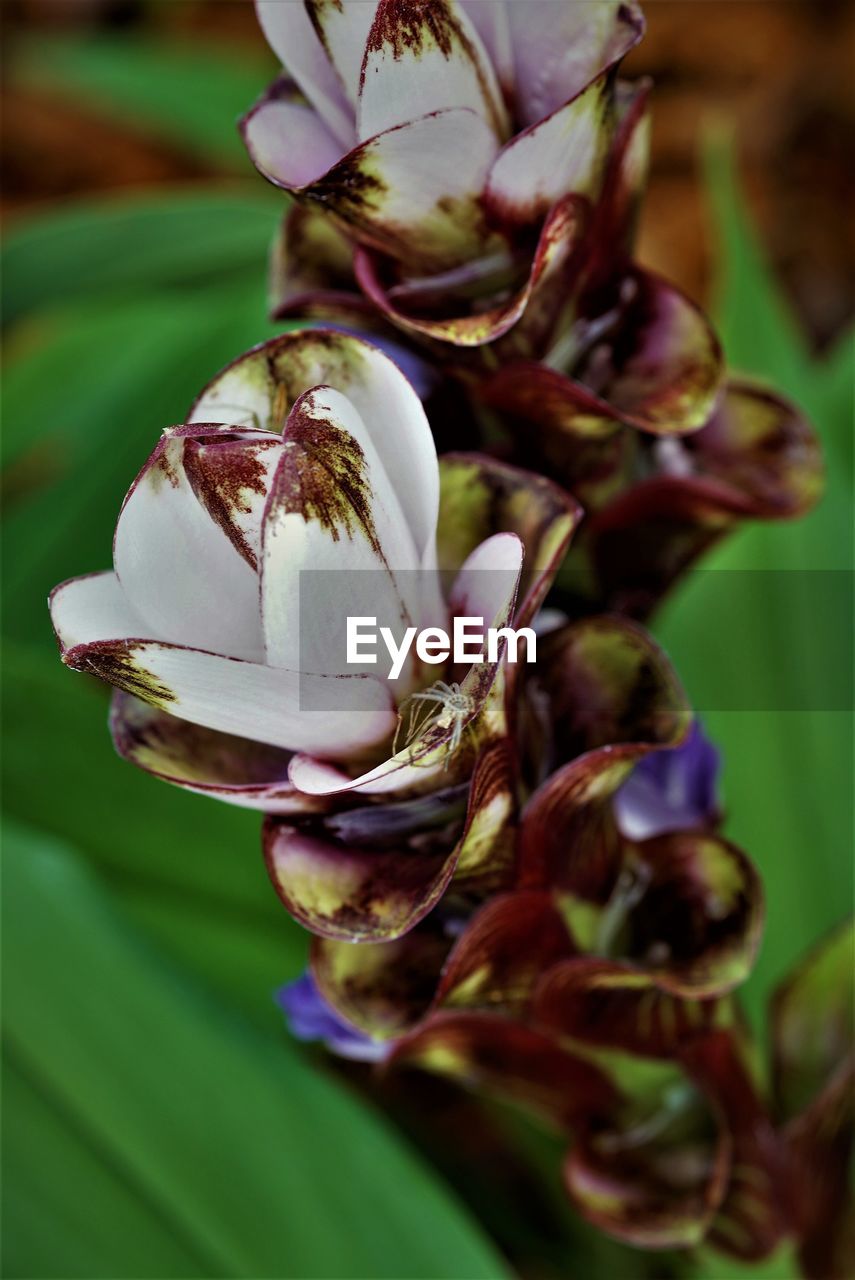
{"x": 779, "y": 72}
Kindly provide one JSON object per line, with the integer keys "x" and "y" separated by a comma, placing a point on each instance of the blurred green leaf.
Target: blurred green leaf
{"x": 84, "y": 405}
{"x": 254, "y": 1163}
{"x": 55, "y": 1175}
{"x": 782, "y": 1265}
{"x": 188, "y": 868}
{"x": 125, "y": 246}
{"x": 189, "y": 94}
{"x": 787, "y": 773}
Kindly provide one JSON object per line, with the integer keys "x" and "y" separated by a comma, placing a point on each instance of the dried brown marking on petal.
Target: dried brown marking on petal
{"x": 416, "y": 26}
{"x": 319, "y": 357}
{"x": 166, "y": 465}
{"x": 315, "y": 10}
{"x": 115, "y": 662}
{"x": 326, "y": 479}
{"x": 350, "y": 187}
{"x": 192, "y": 752}
{"x": 223, "y": 478}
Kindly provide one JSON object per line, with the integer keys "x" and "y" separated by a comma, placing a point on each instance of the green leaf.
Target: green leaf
{"x": 56, "y": 1175}
{"x": 125, "y": 246}
{"x": 84, "y": 405}
{"x": 254, "y": 1163}
{"x": 188, "y": 868}
{"x": 189, "y": 94}
{"x": 782, "y": 1265}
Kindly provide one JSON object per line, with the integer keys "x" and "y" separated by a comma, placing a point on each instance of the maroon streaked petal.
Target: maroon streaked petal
{"x": 608, "y": 683}
{"x": 231, "y": 480}
{"x": 758, "y": 458}
{"x": 568, "y": 837}
{"x": 295, "y": 42}
{"x": 506, "y": 946}
{"x": 812, "y": 1021}
{"x": 612, "y": 698}
{"x": 239, "y": 771}
{"x": 614, "y": 1005}
{"x": 424, "y": 58}
{"x": 263, "y": 385}
{"x": 698, "y": 921}
{"x": 544, "y": 293}
{"x": 657, "y": 1182}
{"x": 379, "y": 887}
{"x": 488, "y": 1052}
{"x": 244, "y": 699}
{"x": 659, "y": 368}
{"x": 480, "y": 496}
{"x": 414, "y": 192}
{"x": 353, "y": 893}
{"x": 757, "y": 1211}
{"x": 333, "y": 510}
{"x": 559, "y": 48}
{"x": 614, "y": 225}
{"x": 381, "y": 988}
{"x": 763, "y": 450}
{"x": 487, "y": 851}
{"x": 562, "y": 155}
{"x": 561, "y": 426}
{"x": 185, "y": 564}
{"x": 310, "y": 255}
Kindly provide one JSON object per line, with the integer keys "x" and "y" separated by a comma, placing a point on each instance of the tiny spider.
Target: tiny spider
{"x": 442, "y": 706}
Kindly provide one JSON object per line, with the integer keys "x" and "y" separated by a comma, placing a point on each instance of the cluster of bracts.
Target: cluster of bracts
{"x": 531, "y": 895}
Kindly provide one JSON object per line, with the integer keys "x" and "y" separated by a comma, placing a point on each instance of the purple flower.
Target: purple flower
{"x": 309, "y": 1017}
{"x": 670, "y": 790}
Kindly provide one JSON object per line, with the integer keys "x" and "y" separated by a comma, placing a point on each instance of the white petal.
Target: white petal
{"x": 314, "y": 778}
{"x": 262, "y": 387}
{"x": 421, "y": 59}
{"x": 559, "y": 48}
{"x": 266, "y": 704}
{"x": 289, "y": 143}
{"x": 486, "y": 585}
{"x": 177, "y": 566}
{"x": 332, "y": 512}
{"x": 93, "y": 608}
{"x": 563, "y": 154}
{"x": 290, "y": 34}
{"x": 343, "y": 30}
{"x": 490, "y": 20}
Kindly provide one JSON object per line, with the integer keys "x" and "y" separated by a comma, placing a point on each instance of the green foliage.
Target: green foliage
{"x": 191, "y": 95}
{"x": 173, "y": 1140}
